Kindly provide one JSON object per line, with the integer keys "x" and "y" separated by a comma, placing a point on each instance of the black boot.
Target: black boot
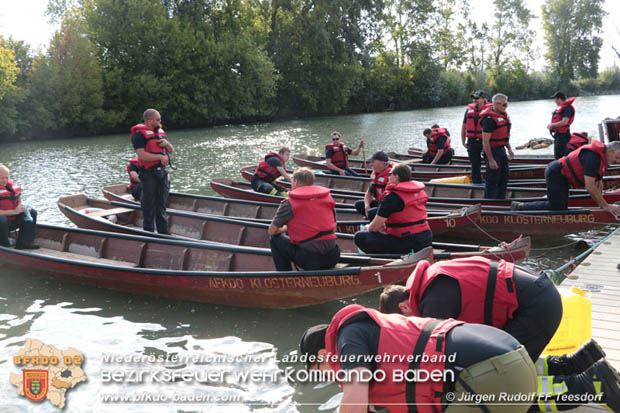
{"x": 602, "y": 372}
{"x": 577, "y": 362}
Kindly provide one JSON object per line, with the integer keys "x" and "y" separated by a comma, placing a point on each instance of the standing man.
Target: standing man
{"x": 268, "y": 170}
{"x": 309, "y": 218}
{"x": 584, "y": 167}
{"x": 337, "y": 156}
{"x": 381, "y": 168}
{"x": 152, "y": 148}
{"x": 465, "y": 360}
{"x": 438, "y": 143}
{"x": 401, "y": 214}
{"x": 13, "y": 214}
{"x": 472, "y": 130}
{"x": 495, "y": 138}
{"x": 561, "y": 119}
{"x": 135, "y": 187}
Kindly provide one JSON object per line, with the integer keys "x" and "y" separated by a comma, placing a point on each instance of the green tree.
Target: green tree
{"x": 572, "y": 29}
{"x": 12, "y": 106}
{"x": 511, "y": 36}
{"x": 8, "y": 69}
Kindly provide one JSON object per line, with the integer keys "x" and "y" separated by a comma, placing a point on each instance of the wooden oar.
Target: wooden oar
{"x": 364, "y": 158}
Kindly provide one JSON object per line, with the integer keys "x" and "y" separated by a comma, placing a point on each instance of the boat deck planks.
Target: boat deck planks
{"x": 598, "y": 275}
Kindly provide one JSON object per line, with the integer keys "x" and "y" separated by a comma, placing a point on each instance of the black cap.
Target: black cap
{"x": 479, "y": 94}
{"x": 312, "y": 341}
{"x": 379, "y": 156}
{"x": 559, "y": 95}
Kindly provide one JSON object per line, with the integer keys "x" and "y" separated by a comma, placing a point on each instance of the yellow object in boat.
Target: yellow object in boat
{"x": 465, "y": 179}
{"x": 576, "y": 326}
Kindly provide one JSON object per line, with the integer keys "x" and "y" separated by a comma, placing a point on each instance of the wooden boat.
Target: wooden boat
{"x": 449, "y": 193}
{"x": 198, "y": 271}
{"x": 348, "y": 220}
{"x": 213, "y": 229}
{"x": 426, "y": 171}
{"x": 518, "y": 159}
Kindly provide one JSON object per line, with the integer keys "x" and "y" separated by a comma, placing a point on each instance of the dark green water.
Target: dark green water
{"x": 98, "y": 322}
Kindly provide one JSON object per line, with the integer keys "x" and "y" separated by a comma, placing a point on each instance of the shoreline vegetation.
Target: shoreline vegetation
{"x": 205, "y": 63}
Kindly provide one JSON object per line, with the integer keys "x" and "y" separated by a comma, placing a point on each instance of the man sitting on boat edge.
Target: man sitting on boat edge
{"x": 309, "y": 219}
{"x": 337, "y": 156}
{"x": 381, "y": 167}
{"x": 15, "y": 215}
{"x": 401, "y": 214}
{"x": 268, "y": 170}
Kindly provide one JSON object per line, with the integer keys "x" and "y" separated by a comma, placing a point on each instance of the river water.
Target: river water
{"x": 101, "y": 323}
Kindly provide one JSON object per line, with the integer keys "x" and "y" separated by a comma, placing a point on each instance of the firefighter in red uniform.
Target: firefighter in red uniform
{"x": 268, "y": 170}
{"x": 381, "y": 168}
{"x": 151, "y": 144}
{"x": 528, "y": 307}
{"x": 401, "y": 214}
{"x": 495, "y": 140}
{"x": 577, "y": 140}
{"x": 472, "y": 130}
{"x": 337, "y": 156}
{"x": 15, "y": 215}
{"x": 584, "y": 167}
{"x": 135, "y": 187}
{"x": 464, "y": 361}
{"x": 438, "y": 143}
{"x": 561, "y": 119}
{"x": 309, "y": 219}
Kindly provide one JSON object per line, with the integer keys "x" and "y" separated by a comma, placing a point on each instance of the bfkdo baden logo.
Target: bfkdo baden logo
{"x": 47, "y": 372}
{"x": 35, "y": 384}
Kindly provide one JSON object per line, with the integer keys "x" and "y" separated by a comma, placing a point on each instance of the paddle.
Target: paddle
{"x": 364, "y": 159}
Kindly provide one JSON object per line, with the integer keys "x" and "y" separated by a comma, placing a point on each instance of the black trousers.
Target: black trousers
{"x": 284, "y": 252}
{"x": 557, "y": 191}
{"x": 372, "y": 211}
{"x": 382, "y": 243}
{"x": 497, "y": 179}
{"x": 474, "y": 152}
{"x": 26, "y": 228}
{"x": 559, "y": 144}
{"x": 347, "y": 171}
{"x": 260, "y": 185}
{"x": 136, "y": 191}
{"x": 445, "y": 158}
{"x": 155, "y": 188}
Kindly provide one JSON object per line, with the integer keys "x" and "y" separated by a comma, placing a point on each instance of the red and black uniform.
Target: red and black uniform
{"x": 399, "y": 336}
{"x": 338, "y": 153}
{"x": 9, "y": 199}
{"x": 406, "y": 227}
{"x": 561, "y": 135}
{"x": 309, "y": 216}
{"x": 473, "y": 131}
{"x": 498, "y": 125}
{"x": 573, "y": 169}
{"x": 495, "y": 293}
{"x": 266, "y": 171}
{"x": 378, "y": 183}
{"x": 264, "y": 180}
{"x": 153, "y": 178}
{"x": 439, "y": 139}
{"x": 135, "y": 187}
{"x": 577, "y": 140}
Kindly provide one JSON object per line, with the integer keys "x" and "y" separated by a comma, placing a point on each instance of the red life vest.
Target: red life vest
{"x": 473, "y": 129}
{"x": 340, "y": 157}
{"x": 9, "y": 197}
{"x": 479, "y": 303}
{"x": 556, "y": 116}
{"x": 398, "y": 339}
{"x": 132, "y": 182}
{"x": 313, "y": 214}
{"x": 572, "y": 169}
{"x": 501, "y": 134}
{"x": 577, "y": 140}
{"x": 380, "y": 181}
{"x": 431, "y": 142}
{"x": 267, "y": 172}
{"x": 412, "y": 219}
{"x": 152, "y": 143}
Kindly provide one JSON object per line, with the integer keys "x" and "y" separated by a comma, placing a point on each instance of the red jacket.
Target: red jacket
{"x": 473, "y": 129}
{"x": 313, "y": 214}
{"x": 267, "y": 172}
{"x": 398, "y": 339}
{"x": 132, "y": 182}
{"x": 9, "y": 197}
{"x": 431, "y": 142}
{"x": 380, "y": 181}
{"x": 479, "y": 303}
{"x": 577, "y": 140}
{"x": 152, "y": 142}
{"x": 556, "y": 116}
{"x": 412, "y": 219}
{"x": 340, "y": 158}
{"x": 572, "y": 169}
{"x": 501, "y": 135}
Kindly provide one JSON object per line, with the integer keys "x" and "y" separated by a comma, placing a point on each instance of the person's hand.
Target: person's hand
{"x": 20, "y": 208}
{"x": 342, "y": 172}
{"x": 163, "y": 143}
{"x": 614, "y": 210}
{"x": 493, "y": 164}
{"x": 549, "y": 126}
{"x": 165, "y": 160}
{"x": 362, "y": 143}
{"x": 511, "y": 154}
{"x": 366, "y": 207}
{"x": 465, "y": 145}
